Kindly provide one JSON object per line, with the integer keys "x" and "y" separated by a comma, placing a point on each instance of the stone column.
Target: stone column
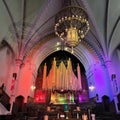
{"x": 113, "y": 83}
{"x": 15, "y": 80}
{"x": 19, "y": 64}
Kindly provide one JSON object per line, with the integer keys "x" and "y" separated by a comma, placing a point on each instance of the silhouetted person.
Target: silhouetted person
{"x": 106, "y": 103}
{"x": 40, "y": 115}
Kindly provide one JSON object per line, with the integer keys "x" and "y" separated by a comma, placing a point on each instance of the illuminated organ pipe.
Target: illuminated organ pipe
{"x": 53, "y": 73}
{"x": 79, "y": 78}
{"x": 57, "y": 78}
{"x": 61, "y": 77}
{"x": 66, "y": 80}
{"x": 44, "y": 77}
{"x": 69, "y": 74}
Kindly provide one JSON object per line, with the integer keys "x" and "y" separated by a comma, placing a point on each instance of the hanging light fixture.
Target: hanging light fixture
{"x": 71, "y": 24}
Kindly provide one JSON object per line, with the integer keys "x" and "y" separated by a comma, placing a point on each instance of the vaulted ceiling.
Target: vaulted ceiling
{"x": 27, "y": 27}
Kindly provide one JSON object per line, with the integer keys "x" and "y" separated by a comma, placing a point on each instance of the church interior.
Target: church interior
{"x": 60, "y": 59}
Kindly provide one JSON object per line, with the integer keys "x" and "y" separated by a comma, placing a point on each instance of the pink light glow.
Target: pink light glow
{"x": 80, "y": 98}
{"x": 40, "y": 96}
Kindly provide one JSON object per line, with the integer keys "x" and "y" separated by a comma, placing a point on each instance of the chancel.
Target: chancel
{"x": 60, "y": 59}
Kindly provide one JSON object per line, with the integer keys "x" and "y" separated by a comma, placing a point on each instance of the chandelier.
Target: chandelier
{"x": 71, "y": 24}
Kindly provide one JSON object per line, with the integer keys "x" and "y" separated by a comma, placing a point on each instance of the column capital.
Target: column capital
{"x": 108, "y": 62}
{"x": 19, "y": 62}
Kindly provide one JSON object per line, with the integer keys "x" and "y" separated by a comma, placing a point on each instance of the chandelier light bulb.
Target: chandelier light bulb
{"x": 71, "y": 25}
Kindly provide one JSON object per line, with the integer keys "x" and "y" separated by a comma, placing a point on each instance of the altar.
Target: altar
{"x": 72, "y": 112}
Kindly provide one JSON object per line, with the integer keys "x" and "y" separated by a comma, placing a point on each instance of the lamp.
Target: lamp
{"x": 71, "y": 24}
